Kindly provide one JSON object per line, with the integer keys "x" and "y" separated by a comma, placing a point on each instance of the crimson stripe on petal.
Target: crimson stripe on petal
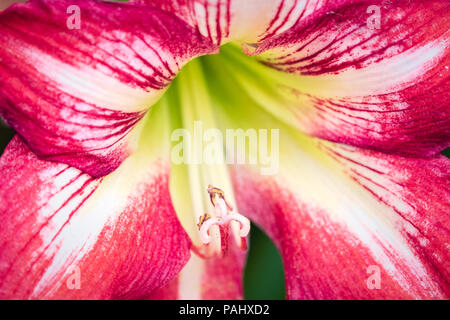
{"x": 223, "y": 21}
{"x": 76, "y": 96}
{"x": 120, "y": 232}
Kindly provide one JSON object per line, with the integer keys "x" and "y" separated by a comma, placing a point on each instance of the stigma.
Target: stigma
{"x": 212, "y": 227}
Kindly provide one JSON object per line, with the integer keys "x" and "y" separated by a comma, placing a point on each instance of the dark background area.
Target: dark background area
{"x": 6, "y": 135}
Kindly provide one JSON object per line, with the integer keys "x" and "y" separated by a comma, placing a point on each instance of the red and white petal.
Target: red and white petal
{"x": 76, "y": 95}
{"x": 66, "y": 235}
{"x": 343, "y": 217}
{"x": 251, "y": 21}
{"x": 385, "y": 89}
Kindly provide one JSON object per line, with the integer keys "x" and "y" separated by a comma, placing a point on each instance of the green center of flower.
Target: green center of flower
{"x": 210, "y": 96}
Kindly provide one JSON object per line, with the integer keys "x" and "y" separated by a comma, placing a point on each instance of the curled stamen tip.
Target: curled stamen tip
{"x": 244, "y": 222}
{"x": 206, "y": 222}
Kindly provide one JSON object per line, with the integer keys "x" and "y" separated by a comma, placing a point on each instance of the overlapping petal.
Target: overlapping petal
{"x": 75, "y": 95}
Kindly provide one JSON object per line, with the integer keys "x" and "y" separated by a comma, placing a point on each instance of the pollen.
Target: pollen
{"x": 202, "y": 219}
{"x": 224, "y": 218}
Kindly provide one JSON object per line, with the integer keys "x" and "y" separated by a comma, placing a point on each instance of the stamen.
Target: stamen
{"x": 202, "y": 219}
{"x": 223, "y": 218}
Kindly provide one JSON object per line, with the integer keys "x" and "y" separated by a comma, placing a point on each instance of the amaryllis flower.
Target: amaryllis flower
{"x": 358, "y": 90}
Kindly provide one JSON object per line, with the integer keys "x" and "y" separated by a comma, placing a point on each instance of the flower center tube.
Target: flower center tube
{"x": 201, "y": 190}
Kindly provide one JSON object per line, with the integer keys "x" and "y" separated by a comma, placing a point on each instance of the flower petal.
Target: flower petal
{"x": 381, "y": 87}
{"x": 387, "y": 215}
{"x": 118, "y": 234}
{"x": 76, "y": 95}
